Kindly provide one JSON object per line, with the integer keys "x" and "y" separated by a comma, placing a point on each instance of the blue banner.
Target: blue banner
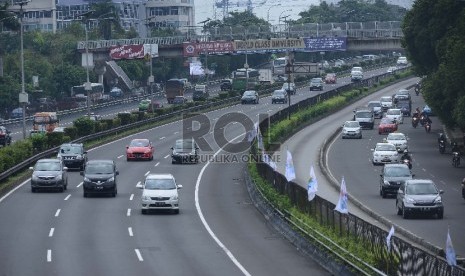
{"x": 325, "y": 44}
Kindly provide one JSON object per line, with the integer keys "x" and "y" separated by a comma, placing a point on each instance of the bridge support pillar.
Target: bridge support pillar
{"x": 100, "y": 70}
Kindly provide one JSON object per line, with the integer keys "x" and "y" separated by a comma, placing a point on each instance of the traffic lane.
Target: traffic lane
{"x": 243, "y": 230}
{"x": 427, "y": 163}
{"x": 306, "y": 144}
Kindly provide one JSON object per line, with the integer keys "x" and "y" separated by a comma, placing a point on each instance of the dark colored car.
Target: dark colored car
{"x": 73, "y": 155}
{"x": 377, "y": 108}
{"x": 185, "y": 151}
{"x": 418, "y": 196}
{"x": 49, "y": 174}
{"x": 226, "y": 84}
{"x": 405, "y": 107}
{"x": 402, "y": 94}
{"x": 5, "y": 138}
{"x": 392, "y": 176}
{"x": 100, "y": 178}
{"x": 179, "y": 100}
{"x": 316, "y": 84}
{"x": 279, "y": 96}
{"x": 250, "y": 96}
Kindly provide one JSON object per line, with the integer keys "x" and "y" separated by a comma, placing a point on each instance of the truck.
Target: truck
{"x": 200, "y": 93}
{"x": 173, "y": 88}
{"x": 265, "y": 76}
{"x": 43, "y": 122}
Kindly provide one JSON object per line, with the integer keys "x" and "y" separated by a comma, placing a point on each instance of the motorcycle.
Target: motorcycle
{"x": 417, "y": 89}
{"x": 427, "y": 127}
{"x": 408, "y": 163}
{"x": 455, "y": 159}
{"x": 442, "y": 146}
{"x": 415, "y": 122}
{"x": 422, "y": 120}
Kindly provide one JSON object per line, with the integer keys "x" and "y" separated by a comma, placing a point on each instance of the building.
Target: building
{"x": 171, "y": 13}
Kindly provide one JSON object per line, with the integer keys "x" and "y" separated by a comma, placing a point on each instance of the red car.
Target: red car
{"x": 140, "y": 149}
{"x": 330, "y": 78}
{"x": 387, "y": 125}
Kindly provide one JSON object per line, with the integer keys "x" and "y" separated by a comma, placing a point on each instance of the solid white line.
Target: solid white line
{"x": 57, "y": 213}
{"x": 176, "y": 132}
{"x": 161, "y": 138}
{"x": 49, "y": 255}
{"x": 147, "y": 173}
{"x": 120, "y": 156}
{"x": 67, "y": 197}
{"x": 10, "y": 192}
{"x": 50, "y": 234}
{"x": 139, "y": 256}
{"x": 131, "y": 197}
{"x": 79, "y": 185}
{"x": 130, "y": 232}
{"x": 166, "y": 156}
{"x": 204, "y": 221}
{"x": 158, "y": 163}
{"x": 128, "y": 213}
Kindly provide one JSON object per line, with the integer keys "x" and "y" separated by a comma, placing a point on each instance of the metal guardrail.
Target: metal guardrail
{"x": 356, "y": 30}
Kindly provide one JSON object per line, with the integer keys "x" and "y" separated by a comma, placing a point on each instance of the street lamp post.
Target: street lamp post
{"x": 268, "y": 12}
{"x": 279, "y": 18}
{"x": 207, "y": 73}
{"x": 23, "y": 97}
{"x": 288, "y": 72}
{"x": 88, "y": 85}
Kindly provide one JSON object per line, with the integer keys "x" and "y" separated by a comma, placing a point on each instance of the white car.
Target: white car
{"x": 160, "y": 192}
{"x": 391, "y": 69}
{"x": 402, "y": 61}
{"x": 395, "y": 114}
{"x": 399, "y": 140}
{"x": 386, "y": 102}
{"x": 351, "y": 129}
{"x": 385, "y": 153}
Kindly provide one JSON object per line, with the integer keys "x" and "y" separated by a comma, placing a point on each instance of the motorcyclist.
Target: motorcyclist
{"x": 416, "y": 114}
{"x": 426, "y": 119}
{"x": 442, "y": 138}
{"x": 455, "y": 147}
{"x": 407, "y": 156}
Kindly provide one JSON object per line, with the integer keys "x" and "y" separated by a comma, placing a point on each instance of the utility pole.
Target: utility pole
{"x": 207, "y": 72}
{"x": 23, "y": 96}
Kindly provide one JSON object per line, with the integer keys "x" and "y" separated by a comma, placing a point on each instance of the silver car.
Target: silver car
{"x": 399, "y": 140}
{"x": 160, "y": 192}
{"x": 49, "y": 174}
{"x": 385, "y": 153}
{"x": 351, "y": 129}
{"x": 419, "y": 196}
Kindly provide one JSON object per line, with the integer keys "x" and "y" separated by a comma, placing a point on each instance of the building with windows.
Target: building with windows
{"x": 171, "y": 13}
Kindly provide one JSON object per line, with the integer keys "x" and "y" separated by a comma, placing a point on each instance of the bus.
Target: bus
{"x": 240, "y": 79}
{"x": 279, "y": 66}
{"x": 96, "y": 94}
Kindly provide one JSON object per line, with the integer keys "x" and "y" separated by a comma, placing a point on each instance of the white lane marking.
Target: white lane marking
{"x": 121, "y": 156}
{"x": 147, "y": 173}
{"x": 79, "y": 185}
{"x": 166, "y": 156}
{"x": 139, "y": 256}
{"x": 176, "y": 132}
{"x": 128, "y": 213}
{"x": 131, "y": 197}
{"x": 57, "y": 213}
{"x": 234, "y": 123}
{"x": 67, "y": 197}
{"x": 49, "y": 255}
{"x": 158, "y": 163}
{"x": 204, "y": 221}
{"x": 10, "y": 192}
{"x": 161, "y": 138}
{"x": 130, "y": 232}
{"x": 50, "y": 234}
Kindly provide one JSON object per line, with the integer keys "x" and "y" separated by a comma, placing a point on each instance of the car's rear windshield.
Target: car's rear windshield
{"x": 363, "y": 114}
{"x": 374, "y": 104}
{"x": 160, "y": 184}
{"x": 396, "y": 137}
{"x": 47, "y": 166}
{"x": 393, "y": 112}
{"x": 351, "y": 124}
{"x": 139, "y": 143}
{"x": 183, "y": 144}
{"x": 69, "y": 149}
{"x": 249, "y": 93}
{"x": 386, "y": 147}
{"x": 421, "y": 189}
{"x": 99, "y": 168}
{"x": 397, "y": 171}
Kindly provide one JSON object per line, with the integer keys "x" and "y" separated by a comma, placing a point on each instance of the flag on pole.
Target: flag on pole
{"x": 290, "y": 172}
{"x": 312, "y": 185}
{"x": 450, "y": 252}
{"x": 251, "y": 134}
{"x": 341, "y": 206}
{"x": 260, "y": 141}
{"x": 388, "y": 238}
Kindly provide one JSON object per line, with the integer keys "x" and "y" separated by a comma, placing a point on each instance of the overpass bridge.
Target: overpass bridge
{"x": 347, "y": 36}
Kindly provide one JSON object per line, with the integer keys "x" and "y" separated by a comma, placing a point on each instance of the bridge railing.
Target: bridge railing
{"x": 356, "y": 30}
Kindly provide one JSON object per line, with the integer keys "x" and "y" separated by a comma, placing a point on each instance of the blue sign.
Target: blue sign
{"x": 325, "y": 44}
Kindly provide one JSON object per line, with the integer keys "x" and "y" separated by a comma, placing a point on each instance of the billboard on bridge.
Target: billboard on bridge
{"x": 135, "y": 51}
{"x": 193, "y": 49}
{"x": 268, "y": 45}
{"x": 325, "y": 44}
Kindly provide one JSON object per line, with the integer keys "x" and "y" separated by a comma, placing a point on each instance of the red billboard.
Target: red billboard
{"x": 192, "y": 49}
{"x": 127, "y": 52}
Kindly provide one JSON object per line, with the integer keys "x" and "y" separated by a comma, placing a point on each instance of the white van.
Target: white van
{"x": 356, "y": 74}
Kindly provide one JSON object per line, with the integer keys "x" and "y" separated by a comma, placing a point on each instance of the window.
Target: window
{"x": 174, "y": 11}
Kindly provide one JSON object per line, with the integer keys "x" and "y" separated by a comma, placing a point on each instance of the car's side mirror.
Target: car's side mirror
{"x": 441, "y": 192}
{"x": 65, "y": 168}
{"x": 381, "y": 175}
{"x": 140, "y": 185}
{"x": 117, "y": 173}
{"x": 400, "y": 191}
{"x": 372, "y": 149}
{"x": 81, "y": 173}
{"x": 127, "y": 147}
{"x": 85, "y": 152}
{"x": 8, "y": 131}
{"x": 172, "y": 148}
{"x": 179, "y": 187}
{"x": 31, "y": 168}
{"x": 413, "y": 175}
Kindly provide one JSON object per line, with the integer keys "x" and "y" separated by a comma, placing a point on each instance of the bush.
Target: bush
{"x": 54, "y": 139}
{"x": 223, "y": 95}
{"x": 84, "y": 125}
{"x": 71, "y": 132}
{"x": 108, "y": 123}
{"x": 125, "y": 118}
{"x": 39, "y": 142}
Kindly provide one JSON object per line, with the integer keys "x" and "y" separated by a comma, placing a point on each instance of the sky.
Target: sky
{"x": 206, "y": 8}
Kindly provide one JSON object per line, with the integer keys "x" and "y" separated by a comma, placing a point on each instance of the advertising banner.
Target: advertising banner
{"x": 325, "y": 44}
{"x": 268, "y": 45}
{"x": 192, "y": 49}
{"x": 133, "y": 51}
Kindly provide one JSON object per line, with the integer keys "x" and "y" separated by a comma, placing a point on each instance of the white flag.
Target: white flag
{"x": 388, "y": 238}
{"x": 267, "y": 160}
{"x": 260, "y": 141}
{"x": 290, "y": 172}
{"x": 341, "y": 206}
{"x": 450, "y": 252}
{"x": 312, "y": 185}
{"x": 251, "y": 134}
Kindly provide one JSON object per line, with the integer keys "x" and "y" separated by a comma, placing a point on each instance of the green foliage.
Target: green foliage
{"x": 84, "y": 126}
{"x": 71, "y": 132}
{"x": 223, "y": 95}
{"x": 39, "y": 142}
{"x": 54, "y": 139}
{"x": 125, "y": 118}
